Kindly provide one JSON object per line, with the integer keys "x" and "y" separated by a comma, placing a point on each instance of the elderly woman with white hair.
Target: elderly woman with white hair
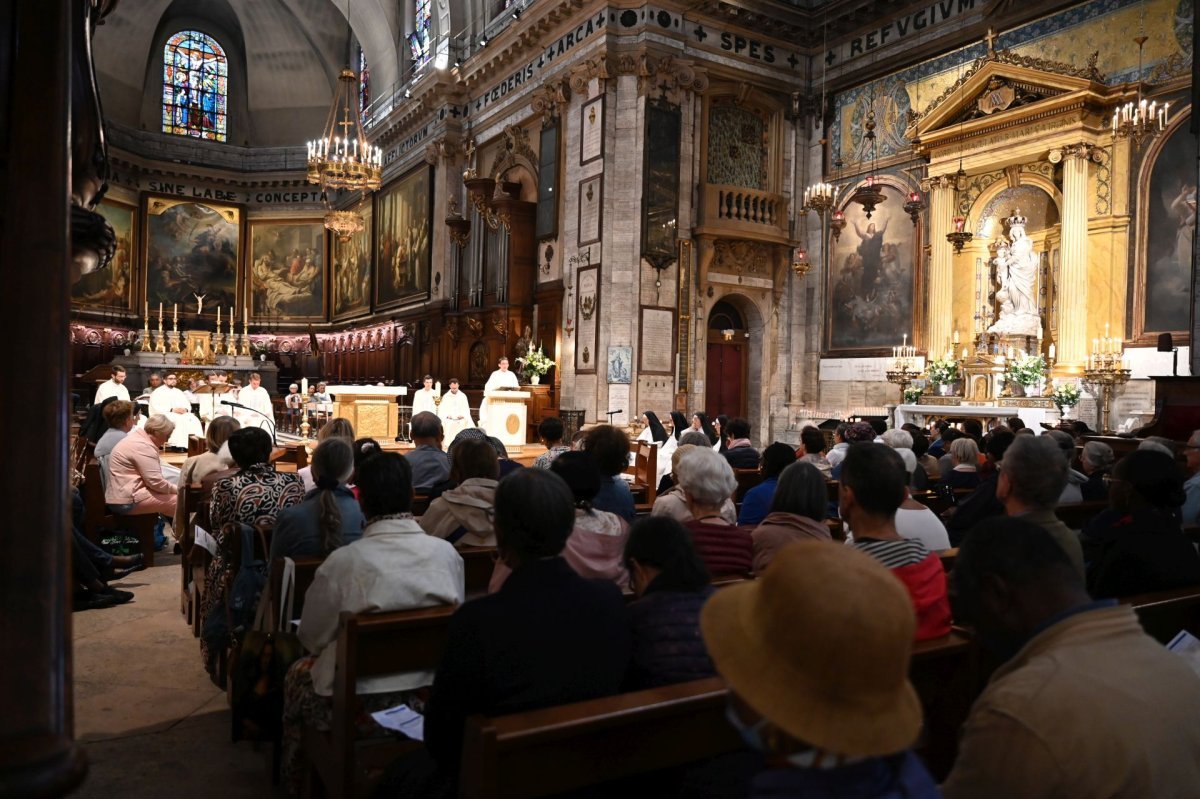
{"x": 674, "y": 503}
{"x": 964, "y": 455}
{"x": 136, "y": 483}
{"x": 707, "y": 482}
{"x": 902, "y": 442}
{"x": 1097, "y": 461}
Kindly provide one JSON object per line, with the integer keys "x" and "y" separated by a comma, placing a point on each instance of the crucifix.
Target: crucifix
{"x": 199, "y": 302}
{"x": 990, "y": 39}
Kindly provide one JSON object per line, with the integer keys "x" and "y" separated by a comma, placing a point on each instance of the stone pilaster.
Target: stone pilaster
{"x": 941, "y": 263}
{"x": 1072, "y": 319}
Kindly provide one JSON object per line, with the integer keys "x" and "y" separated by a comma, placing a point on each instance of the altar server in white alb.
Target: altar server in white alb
{"x": 423, "y": 398}
{"x": 501, "y": 378}
{"x": 113, "y": 387}
{"x": 168, "y": 400}
{"x": 258, "y": 400}
{"x": 454, "y": 411}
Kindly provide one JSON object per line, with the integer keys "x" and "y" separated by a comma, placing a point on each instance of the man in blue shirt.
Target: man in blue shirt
{"x": 757, "y": 502}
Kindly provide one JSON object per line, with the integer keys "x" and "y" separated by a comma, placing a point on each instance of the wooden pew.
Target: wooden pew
{"x": 570, "y": 747}
{"x": 97, "y": 515}
{"x": 746, "y": 480}
{"x": 564, "y": 748}
{"x": 306, "y": 571}
{"x": 369, "y": 645}
{"x": 948, "y": 557}
{"x": 1077, "y": 514}
{"x": 187, "y": 590}
{"x": 645, "y": 474}
{"x": 1164, "y": 613}
{"x": 477, "y": 569}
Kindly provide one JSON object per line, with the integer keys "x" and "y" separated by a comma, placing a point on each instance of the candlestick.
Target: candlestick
{"x": 218, "y": 318}
{"x": 1052, "y": 352}
{"x": 955, "y": 337}
{"x": 146, "y": 312}
{"x": 437, "y": 387}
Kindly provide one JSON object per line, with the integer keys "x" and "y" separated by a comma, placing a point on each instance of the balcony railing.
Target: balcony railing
{"x": 759, "y": 214}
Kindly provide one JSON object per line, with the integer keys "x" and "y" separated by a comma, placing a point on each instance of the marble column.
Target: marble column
{"x": 941, "y": 264}
{"x": 1072, "y": 299}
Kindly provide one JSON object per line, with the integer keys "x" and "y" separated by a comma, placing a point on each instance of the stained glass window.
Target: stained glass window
{"x": 419, "y": 40}
{"x": 364, "y": 84}
{"x": 195, "y": 87}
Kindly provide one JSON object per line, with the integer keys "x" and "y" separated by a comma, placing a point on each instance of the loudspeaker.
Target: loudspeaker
{"x": 1165, "y": 343}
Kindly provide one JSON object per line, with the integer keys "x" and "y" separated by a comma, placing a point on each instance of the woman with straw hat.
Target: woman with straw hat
{"x": 818, "y": 675}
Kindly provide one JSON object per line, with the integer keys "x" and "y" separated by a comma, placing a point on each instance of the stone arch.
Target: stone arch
{"x": 753, "y": 313}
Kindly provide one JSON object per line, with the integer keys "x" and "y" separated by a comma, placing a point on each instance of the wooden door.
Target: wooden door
{"x": 726, "y": 381}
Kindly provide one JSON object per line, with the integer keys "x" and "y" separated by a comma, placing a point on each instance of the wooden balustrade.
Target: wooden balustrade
{"x": 760, "y": 214}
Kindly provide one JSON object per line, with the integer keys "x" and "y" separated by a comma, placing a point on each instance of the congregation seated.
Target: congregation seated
{"x": 1072, "y": 491}
{"x": 926, "y": 462}
{"x": 740, "y": 453}
{"x": 797, "y": 513}
{"x": 654, "y": 433}
{"x": 1191, "y": 455}
{"x": 505, "y": 464}
{"x": 136, "y": 484}
{"x": 812, "y": 450}
{"x": 119, "y": 417}
{"x": 838, "y": 725}
{"x": 609, "y": 445}
{"x": 964, "y": 473}
{"x": 462, "y": 515}
{"x": 429, "y": 464}
{"x": 393, "y": 566}
{"x": 700, "y": 424}
{"x": 329, "y": 516}
{"x": 902, "y": 442}
{"x": 254, "y": 495}
{"x": 215, "y": 459}
{"x": 1067, "y": 658}
{"x": 672, "y": 584}
{"x": 1032, "y": 476}
{"x": 916, "y": 522}
{"x": 872, "y": 488}
{"x": 981, "y": 503}
{"x": 757, "y": 502}
{"x": 1137, "y": 545}
{"x": 94, "y": 425}
{"x": 694, "y": 438}
{"x": 1097, "y": 462}
{"x": 467, "y": 434}
{"x": 550, "y": 433}
{"x": 547, "y": 637}
{"x": 92, "y": 568}
{"x": 673, "y": 502}
{"x": 337, "y": 427}
{"x": 707, "y": 481}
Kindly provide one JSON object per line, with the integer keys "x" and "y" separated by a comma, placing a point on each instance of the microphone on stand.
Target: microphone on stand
{"x": 611, "y": 414}
{"x": 274, "y": 440}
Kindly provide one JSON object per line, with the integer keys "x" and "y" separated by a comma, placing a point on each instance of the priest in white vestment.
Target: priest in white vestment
{"x": 501, "y": 378}
{"x": 258, "y": 400}
{"x": 455, "y": 412}
{"x": 210, "y": 401}
{"x": 168, "y": 400}
{"x": 423, "y": 398}
{"x": 113, "y": 387}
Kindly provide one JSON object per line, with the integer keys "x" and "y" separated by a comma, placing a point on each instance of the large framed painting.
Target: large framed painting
{"x": 403, "y": 211}
{"x": 287, "y": 270}
{"x": 111, "y": 288}
{"x": 351, "y": 277}
{"x": 1162, "y": 284}
{"x": 872, "y": 280}
{"x": 191, "y": 253}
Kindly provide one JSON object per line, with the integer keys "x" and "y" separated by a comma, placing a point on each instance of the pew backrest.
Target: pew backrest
{"x": 478, "y": 563}
{"x": 1164, "y": 613}
{"x": 305, "y": 573}
{"x": 645, "y": 472}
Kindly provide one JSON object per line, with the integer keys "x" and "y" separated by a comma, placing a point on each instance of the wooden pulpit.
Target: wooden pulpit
{"x": 506, "y": 416}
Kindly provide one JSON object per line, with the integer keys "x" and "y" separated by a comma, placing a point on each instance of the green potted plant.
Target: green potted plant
{"x": 1025, "y": 372}
{"x": 943, "y": 373}
{"x": 535, "y": 364}
{"x": 912, "y": 396}
{"x": 1064, "y": 396}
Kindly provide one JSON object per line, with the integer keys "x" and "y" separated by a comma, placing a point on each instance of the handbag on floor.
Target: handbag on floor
{"x": 259, "y": 664}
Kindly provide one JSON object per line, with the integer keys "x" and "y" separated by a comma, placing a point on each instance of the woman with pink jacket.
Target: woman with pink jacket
{"x": 136, "y": 484}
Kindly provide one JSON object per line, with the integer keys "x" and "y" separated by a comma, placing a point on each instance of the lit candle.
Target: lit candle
{"x": 175, "y": 315}
{"x": 955, "y": 339}
{"x": 218, "y": 318}
{"x": 146, "y": 311}
{"x": 1052, "y": 352}
{"x": 964, "y": 353}
{"x": 437, "y": 387}
{"x": 304, "y": 386}
{"x": 160, "y": 313}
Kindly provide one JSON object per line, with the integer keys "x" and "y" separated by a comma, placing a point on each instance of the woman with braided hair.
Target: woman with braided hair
{"x": 329, "y": 516}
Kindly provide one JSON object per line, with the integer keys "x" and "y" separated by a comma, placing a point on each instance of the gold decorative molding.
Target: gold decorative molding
{"x": 938, "y": 182}
{"x": 549, "y": 99}
{"x": 475, "y": 325}
{"x": 1084, "y": 151}
{"x": 738, "y": 256}
{"x": 500, "y": 324}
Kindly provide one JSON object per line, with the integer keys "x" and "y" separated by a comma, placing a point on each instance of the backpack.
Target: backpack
{"x": 233, "y": 614}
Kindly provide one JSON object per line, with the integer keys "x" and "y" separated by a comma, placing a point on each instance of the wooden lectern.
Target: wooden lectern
{"x": 505, "y": 418}
{"x": 371, "y": 409}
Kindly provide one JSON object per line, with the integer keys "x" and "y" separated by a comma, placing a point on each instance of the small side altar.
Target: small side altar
{"x": 371, "y": 409}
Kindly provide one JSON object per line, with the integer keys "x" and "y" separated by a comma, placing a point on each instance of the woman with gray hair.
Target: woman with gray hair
{"x": 902, "y": 442}
{"x": 797, "y": 512}
{"x": 673, "y": 503}
{"x": 707, "y": 482}
{"x": 1097, "y": 461}
{"x": 964, "y": 454}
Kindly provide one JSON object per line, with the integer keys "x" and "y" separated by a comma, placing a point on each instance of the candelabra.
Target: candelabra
{"x": 1140, "y": 120}
{"x": 903, "y": 369}
{"x": 146, "y": 337}
{"x": 161, "y": 343}
{"x": 1104, "y": 371}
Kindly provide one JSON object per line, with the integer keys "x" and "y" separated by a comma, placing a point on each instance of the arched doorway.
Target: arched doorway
{"x": 728, "y": 361}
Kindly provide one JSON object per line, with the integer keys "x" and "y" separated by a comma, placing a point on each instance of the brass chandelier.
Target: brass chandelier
{"x": 342, "y": 158}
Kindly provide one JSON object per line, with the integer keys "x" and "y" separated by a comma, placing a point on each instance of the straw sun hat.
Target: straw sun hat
{"x": 820, "y": 645}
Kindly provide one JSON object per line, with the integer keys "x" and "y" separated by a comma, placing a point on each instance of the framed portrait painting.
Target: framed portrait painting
{"x": 351, "y": 276}
{"x": 191, "y": 253}
{"x": 403, "y": 254}
{"x": 111, "y": 287}
{"x": 286, "y": 278}
{"x": 872, "y": 279}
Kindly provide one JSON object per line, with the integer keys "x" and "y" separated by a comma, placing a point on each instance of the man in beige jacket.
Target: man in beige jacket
{"x": 1087, "y": 704}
